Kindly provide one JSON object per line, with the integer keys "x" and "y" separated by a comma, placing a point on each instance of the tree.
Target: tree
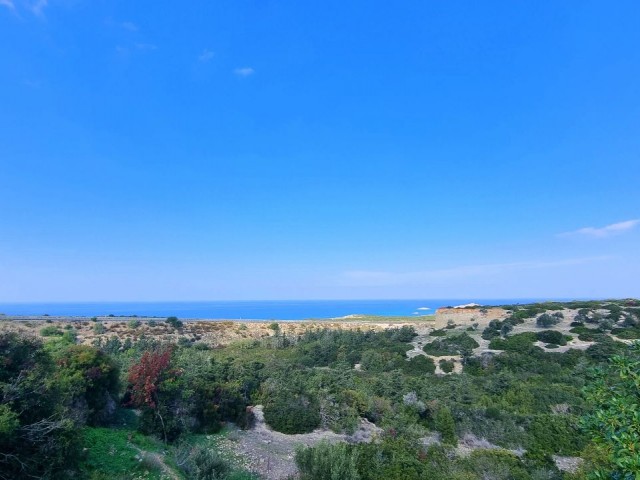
{"x": 545, "y": 320}
{"x": 37, "y": 432}
{"x": 614, "y": 424}
{"x": 174, "y": 322}
{"x": 89, "y": 378}
{"x": 445, "y": 424}
{"x": 145, "y": 378}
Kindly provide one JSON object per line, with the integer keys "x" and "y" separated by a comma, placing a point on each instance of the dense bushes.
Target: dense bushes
{"x": 326, "y": 461}
{"x": 47, "y": 395}
{"x": 552, "y": 336}
{"x": 516, "y": 343}
{"x": 287, "y": 414}
{"x": 461, "y": 344}
{"x": 398, "y": 459}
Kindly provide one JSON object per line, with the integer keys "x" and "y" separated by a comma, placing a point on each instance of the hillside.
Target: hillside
{"x": 479, "y": 392}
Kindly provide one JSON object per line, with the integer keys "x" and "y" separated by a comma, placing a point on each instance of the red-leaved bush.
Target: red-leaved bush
{"x": 146, "y": 375}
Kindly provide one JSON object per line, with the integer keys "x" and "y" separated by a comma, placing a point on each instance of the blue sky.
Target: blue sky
{"x": 285, "y": 150}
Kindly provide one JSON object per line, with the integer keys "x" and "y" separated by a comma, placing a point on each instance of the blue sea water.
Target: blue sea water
{"x": 254, "y": 310}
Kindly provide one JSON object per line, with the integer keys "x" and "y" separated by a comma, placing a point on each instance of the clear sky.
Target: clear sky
{"x": 269, "y": 149}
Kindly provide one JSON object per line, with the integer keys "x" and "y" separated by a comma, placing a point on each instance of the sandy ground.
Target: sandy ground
{"x": 213, "y": 333}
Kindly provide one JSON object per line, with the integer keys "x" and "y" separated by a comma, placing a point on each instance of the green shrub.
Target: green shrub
{"x": 552, "y": 336}
{"x": 134, "y": 323}
{"x": 582, "y": 329}
{"x": 205, "y": 464}
{"x": 591, "y": 336}
{"x": 545, "y": 320}
{"x": 51, "y": 332}
{"x": 461, "y": 344}
{"x": 555, "y": 434}
{"x": 99, "y": 328}
{"x": 173, "y": 322}
{"x": 627, "y": 333}
{"x": 495, "y": 465}
{"x": 493, "y": 413}
{"x": 325, "y": 462}
{"x": 445, "y": 424}
{"x": 446, "y": 366}
{"x": 419, "y": 365}
{"x": 604, "y": 348}
{"x": 292, "y": 414}
{"x": 520, "y": 342}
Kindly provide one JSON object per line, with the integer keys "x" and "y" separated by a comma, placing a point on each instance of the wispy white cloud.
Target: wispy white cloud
{"x": 38, "y": 7}
{"x": 385, "y": 278}
{"x": 603, "y": 232}
{"x": 206, "y": 56}
{"x": 8, "y": 3}
{"x": 244, "y": 71}
{"x": 132, "y": 27}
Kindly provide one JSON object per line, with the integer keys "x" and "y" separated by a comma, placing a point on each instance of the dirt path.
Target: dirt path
{"x": 271, "y": 454}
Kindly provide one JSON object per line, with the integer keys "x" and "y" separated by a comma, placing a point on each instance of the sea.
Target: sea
{"x": 250, "y": 310}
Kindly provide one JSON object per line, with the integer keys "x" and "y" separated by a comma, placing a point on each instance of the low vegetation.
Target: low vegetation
{"x": 146, "y": 408}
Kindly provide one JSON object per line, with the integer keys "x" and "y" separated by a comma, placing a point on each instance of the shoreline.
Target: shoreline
{"x": 353, "y": 318}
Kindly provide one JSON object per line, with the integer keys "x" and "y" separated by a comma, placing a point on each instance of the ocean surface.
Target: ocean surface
{"x": 249, "y": 310}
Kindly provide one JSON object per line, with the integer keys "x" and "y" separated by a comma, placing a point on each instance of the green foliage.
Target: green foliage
{"x": 545, "y": 320}
{"x": 174, "y": 322}
{"x": 205, "y": 464}
{"x": 419, "y": 365}
{"x": 627, "y": 333}
{"x": 552, "y": 336}
{"x": 446, "y": 366}
{"x": 51, "y": 332}
{"x": 134, "y": 323}
{"x": 37, "y": 431}
{"x": 445, "y": 424}
{"x": 523, "y": 397}
{"x": 604, "y": 348}
{"x": 554, "y": 434}
{"x": 495, "y": 465}
{"x": 99, "y": 328}
{"x": 328, "y": 462}
{"x": 115, "y": 453}
{"x": 292, "y": 414}
{"x": 614, "y": 422}
{"x": 86, "y": 373}
{"x": 461, "y": 344}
